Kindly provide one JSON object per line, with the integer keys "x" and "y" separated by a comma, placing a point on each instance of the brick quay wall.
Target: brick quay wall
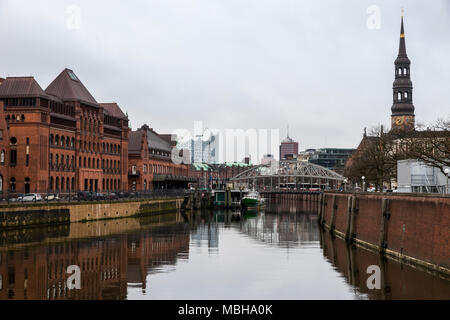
{"x": 411, "y": 228}
{"x": 18, "y": 216}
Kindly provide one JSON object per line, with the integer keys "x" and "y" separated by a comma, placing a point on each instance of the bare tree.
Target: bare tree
{"x": 430, "y": 145}
{"x": 375, "y": 159}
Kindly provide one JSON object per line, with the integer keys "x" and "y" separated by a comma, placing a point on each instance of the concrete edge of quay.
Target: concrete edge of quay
{"x": 43, "y": 214}
{"x": 412, "y": 262}
{"x": 377, "y": 211}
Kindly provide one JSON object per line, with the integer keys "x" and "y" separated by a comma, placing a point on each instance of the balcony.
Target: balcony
{"x": 134, "y": 173}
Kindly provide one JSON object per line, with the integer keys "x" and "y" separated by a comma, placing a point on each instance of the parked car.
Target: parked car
{"x": 52, "y": 197}
{"x": 85, "y": 196}
{"x": 100, "y": 196}
{"x": 112, "y": 196}
{"x": 32, "y": 197}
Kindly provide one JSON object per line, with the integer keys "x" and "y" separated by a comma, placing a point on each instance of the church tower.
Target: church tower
{"x": 403, "y": 117}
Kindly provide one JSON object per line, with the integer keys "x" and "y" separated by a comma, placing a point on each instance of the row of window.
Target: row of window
{"x": 89, "y": 125}
{"x": 402, "y": 96}
{"x": 56, "y": 160}
{"x": 15, "y": 118}
{"x": 62, "y": 141}
{"x": 60, "y": 108}
{"x": 88, "y": 146}
{"x": 106, "y": 147}
{"x": 402, "y": 71}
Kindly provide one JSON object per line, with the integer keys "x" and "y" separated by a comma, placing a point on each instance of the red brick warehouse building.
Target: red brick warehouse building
{"x": 60, "y": 139}
{"x": 150, "y": 163}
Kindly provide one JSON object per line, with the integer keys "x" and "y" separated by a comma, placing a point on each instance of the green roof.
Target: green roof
{"x": 201, "y": 166}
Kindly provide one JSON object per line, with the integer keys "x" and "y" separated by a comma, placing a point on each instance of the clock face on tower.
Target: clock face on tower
{"x": 403, "y": 122}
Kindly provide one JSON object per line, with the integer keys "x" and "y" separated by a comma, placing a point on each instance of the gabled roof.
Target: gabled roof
{"x": 113, "y": 110}
{"x": 156, "y": 142}
{"x": 21, "y": 87}
{"x": 68, "y": 87}
{"x": 135, "y": 141}
{"x": 153, "y": 139}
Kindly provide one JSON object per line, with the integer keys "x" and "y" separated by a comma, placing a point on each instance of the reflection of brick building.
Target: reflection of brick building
{"x": 150, "y": 164}
{"x": 60, "y": 139}
{"x": 108, "y": 266}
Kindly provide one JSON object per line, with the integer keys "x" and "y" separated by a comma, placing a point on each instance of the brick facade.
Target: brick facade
{"x": 60, "y": 140}
{"x": 150, "y": 166}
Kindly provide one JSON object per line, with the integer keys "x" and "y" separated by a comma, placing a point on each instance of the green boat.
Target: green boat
{"x": 252, "y": 199}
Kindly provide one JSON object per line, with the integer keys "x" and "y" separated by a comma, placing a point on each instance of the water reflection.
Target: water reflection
{"x": 197, "y": 256}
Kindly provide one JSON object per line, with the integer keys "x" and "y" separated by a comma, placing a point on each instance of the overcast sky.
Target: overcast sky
{"x": 319, "y": 66}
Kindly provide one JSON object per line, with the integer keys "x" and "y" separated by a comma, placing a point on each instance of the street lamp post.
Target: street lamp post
{"x": 447, "y": 171}
{"x": 345, "y": 185}
{"x": 364, "y": 183}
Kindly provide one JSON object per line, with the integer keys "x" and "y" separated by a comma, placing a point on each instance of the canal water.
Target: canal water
{"x": 277, "y": 254}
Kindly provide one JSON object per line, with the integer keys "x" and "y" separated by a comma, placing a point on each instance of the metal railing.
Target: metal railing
{"x": 89, "y": 196}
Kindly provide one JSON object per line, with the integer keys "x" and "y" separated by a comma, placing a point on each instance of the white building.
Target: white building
{"x": 203, "y": 148}
{"x": 415, "y": 176}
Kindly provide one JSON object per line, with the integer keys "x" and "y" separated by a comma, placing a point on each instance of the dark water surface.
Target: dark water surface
{"x": 279, "y": 254}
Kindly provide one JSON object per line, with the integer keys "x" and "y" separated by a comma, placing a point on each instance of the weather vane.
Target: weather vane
{"x": 403, "y": 11}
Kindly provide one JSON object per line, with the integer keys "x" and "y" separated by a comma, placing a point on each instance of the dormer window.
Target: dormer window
{"x": 72, "y": 76}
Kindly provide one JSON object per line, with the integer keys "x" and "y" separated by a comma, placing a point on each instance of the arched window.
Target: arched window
{"x": 1, "y": 190}
{"x": 67, "y": 184}
{"x": 98, "y": 163}
{"x": 73, "y": 183}
{"x": 89, "y": 163}
{"x": 2, "y": 157}
{"x": 12, "y": 184}
{"x": 399, "y": 71}
{"x": 72, "y": 143}
{"x": 57, "y": 140}
{"x": 405, "y": 71}
{"x": 27, "y": 185}
{"x": 67, "y": 142}
{"x": 145, "y": 185}
{"x": 84, "y": 162}
{"x": 62, "y": 184}
{"x": 399, "y": 96}
{"x": 51, "y": 183}
{"x": 406, "y": 95}
{"x": 52, "y": 139}
{"x": 57, "y": 184}
{"x": 62, "y": 141}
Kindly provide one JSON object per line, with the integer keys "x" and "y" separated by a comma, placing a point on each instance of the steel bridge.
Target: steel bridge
{"x": 289, "y": 175}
